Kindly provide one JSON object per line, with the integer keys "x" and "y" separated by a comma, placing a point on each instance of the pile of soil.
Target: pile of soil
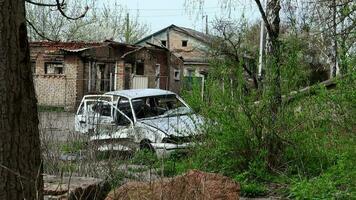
{"x": 194, "y": 185}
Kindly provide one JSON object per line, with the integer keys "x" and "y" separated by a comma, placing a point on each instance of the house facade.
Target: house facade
{"x": 190, "y": 45}
{"x": 65, "y": 71}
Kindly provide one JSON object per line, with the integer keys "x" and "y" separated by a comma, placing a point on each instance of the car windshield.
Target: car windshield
{"x": 159, "y": 106}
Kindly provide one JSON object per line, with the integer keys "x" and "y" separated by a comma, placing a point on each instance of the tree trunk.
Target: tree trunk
{"x": 20, "y": 162}
{"x": 273, "y": 80}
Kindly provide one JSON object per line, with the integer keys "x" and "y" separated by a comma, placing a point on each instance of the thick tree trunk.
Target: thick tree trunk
{"x": 20, "y": 162}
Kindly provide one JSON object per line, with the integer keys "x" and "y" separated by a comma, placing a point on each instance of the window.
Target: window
{"x": 157, "y": 78}
{"x": 33, "y": 67}
{"x": 54, "y": 68}
{"x": 190, "y": 72}
{"x": 102, "y": 108}
{"x": 177, "y": 74}
{"x": 184, "y": 43}
{"x": 125, "y": 113}
{"x": 158, "y": 107}
{"x": 164, "y": 42}
{"x": 140, "y": 68}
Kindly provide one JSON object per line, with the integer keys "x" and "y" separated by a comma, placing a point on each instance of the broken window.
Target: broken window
{"x": 33, "y": 67}
{"x": 177, "y": 74}
{"x": 157, "y": 78}
{"x": 184, "y": 43}
{"x": 140, "y": 68}
{"x": 164, "y": 42}
{"x": 54, "y": 68}
{"x": 190, "y": 72}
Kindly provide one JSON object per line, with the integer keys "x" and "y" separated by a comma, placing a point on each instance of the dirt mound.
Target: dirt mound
{"x": 195, "y": 185}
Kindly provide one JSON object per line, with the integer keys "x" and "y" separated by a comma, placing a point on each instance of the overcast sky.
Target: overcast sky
{"x": 162, "y": 13}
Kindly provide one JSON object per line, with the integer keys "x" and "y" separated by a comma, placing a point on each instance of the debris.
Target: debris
{"x": 72, "y": 188}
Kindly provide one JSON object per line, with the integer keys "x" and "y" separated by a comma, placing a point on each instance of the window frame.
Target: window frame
{"x": 46, "y": 65}
{"x": 184, "y": 43}
{"x": 164, "y": 43}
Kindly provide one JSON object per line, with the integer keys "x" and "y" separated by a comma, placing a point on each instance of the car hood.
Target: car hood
{"x": 181, "y": 125}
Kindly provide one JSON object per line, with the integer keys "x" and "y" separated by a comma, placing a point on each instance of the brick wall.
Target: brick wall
{"x": 59, "y": 90}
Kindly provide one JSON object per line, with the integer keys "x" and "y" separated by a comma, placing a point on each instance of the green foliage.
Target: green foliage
{"x": 253, "y": 190}
{"x": 313, "y": 132}
{"x": 145, "y": 157}
{"x": 337, "y": 182}
{"x": 72, "y": 146}
{"x": 116, "y": 178}
{"x": 295, "y": 71}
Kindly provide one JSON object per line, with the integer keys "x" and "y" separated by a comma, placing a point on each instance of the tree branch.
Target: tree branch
{"x": 44, "y": 4}
{"x": 59, "y": 7}
{"x": 264, "y": 17}
{"x": 38, "y": 32}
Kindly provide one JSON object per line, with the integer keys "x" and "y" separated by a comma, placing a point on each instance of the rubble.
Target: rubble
{"x": 73, "y": 188}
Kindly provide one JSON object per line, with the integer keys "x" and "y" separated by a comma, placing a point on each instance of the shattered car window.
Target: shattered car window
{"x": 103, "y": 109}
{"x": 158, "y": 106}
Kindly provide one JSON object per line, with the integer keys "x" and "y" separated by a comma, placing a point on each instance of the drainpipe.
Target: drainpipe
{"x": 115, "y": 76}
{"x": 89, "y": 80}
{"x": 168, "y": 61}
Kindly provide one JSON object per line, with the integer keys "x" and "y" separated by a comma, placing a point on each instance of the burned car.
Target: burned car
{"x": 128, "y": 120}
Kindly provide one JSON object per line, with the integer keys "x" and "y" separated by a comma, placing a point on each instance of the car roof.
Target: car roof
{"x": 138, "y": 93}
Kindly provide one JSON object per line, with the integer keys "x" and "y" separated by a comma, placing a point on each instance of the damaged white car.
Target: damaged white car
{"x": 128, "y": 120}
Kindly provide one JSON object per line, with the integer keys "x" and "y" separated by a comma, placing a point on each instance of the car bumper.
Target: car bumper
{"x": 165, "y": 149}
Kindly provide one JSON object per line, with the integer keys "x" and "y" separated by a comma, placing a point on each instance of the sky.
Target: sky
{"x": 159, "y": 14}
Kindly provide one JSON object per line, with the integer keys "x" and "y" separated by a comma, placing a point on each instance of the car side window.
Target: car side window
{"x": 124, "y": 106}
{"x": 81, "y": 109}
{"x": 103, "y": 109}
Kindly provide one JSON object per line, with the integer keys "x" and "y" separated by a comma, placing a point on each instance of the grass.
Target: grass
{"x": 50, "y": 109}
{"x": 316, "y": 154}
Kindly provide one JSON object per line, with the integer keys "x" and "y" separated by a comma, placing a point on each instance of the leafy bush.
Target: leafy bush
{"x": 312, "y": 131}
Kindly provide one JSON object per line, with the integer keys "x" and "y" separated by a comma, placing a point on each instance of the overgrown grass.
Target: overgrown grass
{"x": 315, "y": 134}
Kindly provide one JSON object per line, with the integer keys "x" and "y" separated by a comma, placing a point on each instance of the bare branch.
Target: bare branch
{"x": 264, "y": 17}
{"x": 59, "y": 7}
{"x": 43, "y": 4}
{"x": 38, "y": 32}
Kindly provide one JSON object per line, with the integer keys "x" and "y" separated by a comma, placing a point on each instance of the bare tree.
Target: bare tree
{"x": 231, "y": 44}
{"x": 272, "y": 84}
{"x": 104, "y": 21}
{"x": 330, "y": 26}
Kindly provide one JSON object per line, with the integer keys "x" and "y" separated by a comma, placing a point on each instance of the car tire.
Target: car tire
{"x": 146, "y": 145}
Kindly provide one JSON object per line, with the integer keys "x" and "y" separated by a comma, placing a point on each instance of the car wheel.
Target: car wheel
{"x": 145, "y": 145}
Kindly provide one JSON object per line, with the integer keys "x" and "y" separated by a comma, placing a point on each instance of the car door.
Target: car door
{"x": 93, "y": 110}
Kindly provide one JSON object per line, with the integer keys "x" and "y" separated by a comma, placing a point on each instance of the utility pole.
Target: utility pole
{"x": 206, "y": 25}
{"x": 127, "y": 32}
{"x": 334, "y": 65}
{"x": 262, "y": 46}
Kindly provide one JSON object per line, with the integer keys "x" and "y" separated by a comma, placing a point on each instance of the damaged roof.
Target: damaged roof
{"x": 65, "y": 45}
{"x": 191, "y": 32}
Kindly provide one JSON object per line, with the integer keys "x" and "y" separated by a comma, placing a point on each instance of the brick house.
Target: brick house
{"x": 65, "y": 71}
{"x": 191, "y": 45}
